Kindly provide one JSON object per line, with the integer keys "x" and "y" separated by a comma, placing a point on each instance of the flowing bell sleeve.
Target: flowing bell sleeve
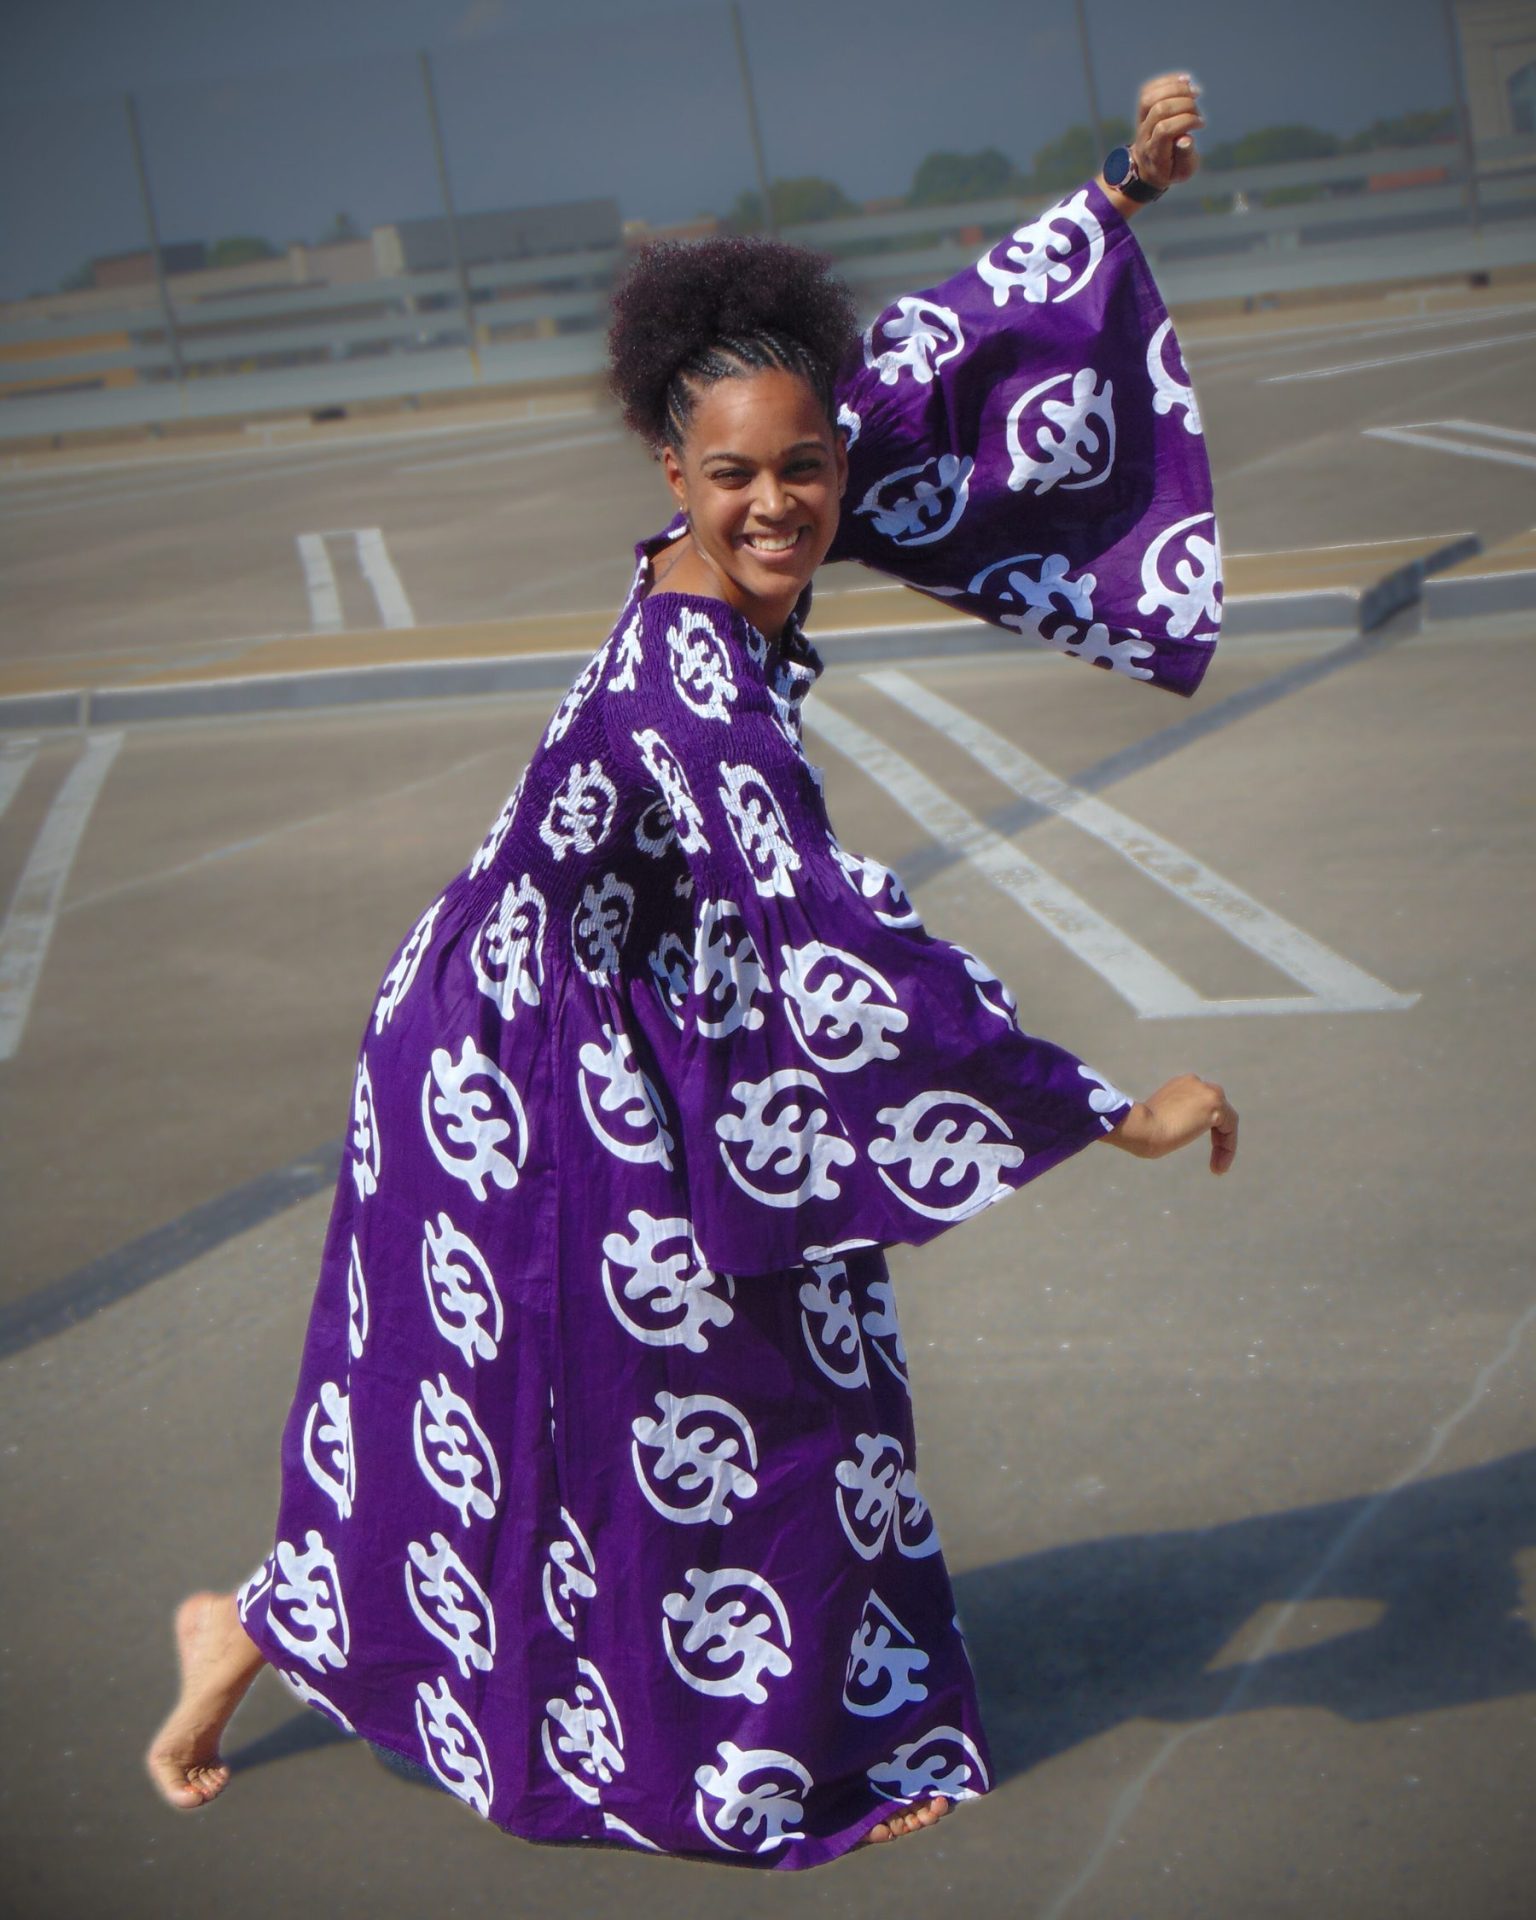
{"x": 842, "y": 1078}
{"x": 1024, "y": 443}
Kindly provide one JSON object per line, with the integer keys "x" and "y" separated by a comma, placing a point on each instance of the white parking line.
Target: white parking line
{"x": 15, "y": 757}
{"x": 1398, "y": 359}
{"x": 375, "y": 565}
{"x": 1334, "y": 984}
{"x": 379, "y": 571}
{"x": 319, "y": 583}
{"x": 1445, "y": 443}
{"x": 1136, "y": 975}
{"x": 28, "y": 926}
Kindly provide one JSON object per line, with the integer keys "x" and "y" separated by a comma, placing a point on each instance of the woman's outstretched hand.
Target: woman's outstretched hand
{"x": 1167, "y": 118}
{"x": 1180, "y": 1111}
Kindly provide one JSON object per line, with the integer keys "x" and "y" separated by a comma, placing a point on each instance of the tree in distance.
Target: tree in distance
{"x": 795, "y": 202}
{"x": 239, "y": 250}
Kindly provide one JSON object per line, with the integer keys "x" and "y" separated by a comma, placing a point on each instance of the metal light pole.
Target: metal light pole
{"x": 456, "y": 251}
{"x": 1088, "y": 78}
{"x": 172, "y": 339}
{"x": 754, "y": 132}
{"x": 1463, "y": 117}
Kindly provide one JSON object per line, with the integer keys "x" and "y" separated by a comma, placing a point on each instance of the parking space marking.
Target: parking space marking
{"x": 1333, "y": 984}
{"x": 379, "y": 572}
{"x": 1152, "y": 989}
{"x": 1428, "y": 433}
{"x": 375, "y": 565}
{"x": 1398, "y": 359}
{"x": 28, "y": 926}
{"x": 319, "y": 583}
{"x": 15, "y": 757}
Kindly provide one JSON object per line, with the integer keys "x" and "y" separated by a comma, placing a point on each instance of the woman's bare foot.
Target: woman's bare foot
{"x": 924, "y": 1814}
{"x": 218, "y": 1661}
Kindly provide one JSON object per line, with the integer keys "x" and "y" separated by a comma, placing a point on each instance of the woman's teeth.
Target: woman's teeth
{"x": 765, "y": 543}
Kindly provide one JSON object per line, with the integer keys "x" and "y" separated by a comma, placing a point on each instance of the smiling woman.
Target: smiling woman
{"x": 600, "y": 1491}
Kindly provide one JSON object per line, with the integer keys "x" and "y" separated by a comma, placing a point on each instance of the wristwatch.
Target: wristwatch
{"x": 1120, "y": 171}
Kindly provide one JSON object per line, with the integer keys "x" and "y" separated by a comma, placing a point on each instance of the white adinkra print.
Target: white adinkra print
{"x": 570, "y": 1577}
{"x": 1065, "y": 440}
{"x": 621, "y": 1104}
{"x": 758, "y": 826}
{"x": 735, "y": 1633}
{"x": 755, "y": 1794}
{"x": 658, "y": 1286}
{"x": 1192, "y": 597}
{"x": 1170, "y": 381}
{"x": 914, "y": 337}
{"x": 664, "y": 767}
{"x": 915, "y": 506}
{"x": 451, "y": 1604}
{"x": 728, "y": 972}
{"x": 305, "y": 1609}
{"x": 600, "y": 926}
{"x": 700, "y": 662}
{"x": 453, "y": 1748}
{"x": 367, "y": 1154}
{"x": 581, "y": 812}
{"x": 461, "y": 1291}
{"x": 877, "y": 1498}
{"x": 490, "y": 846}
{"x": 588, "y": 1748}
{"x": 695, "y": 1458}
{"x": 944, "y": 1761}
{"x": 453, "y": 1454}
{"x": 783, "y": 1145}
{"x": 883, "y": 1663}
{"x": 357, "y": 1303}
{"x": 397, "y": 982}
{"x": 507, "y": 952}
{"x": 954, "y": 1149}
{"x": 1051, "y": 259}
{"x": 841, "y": 1010}
{"x": 877, "y": 885}
{"x": 829, "y": 1322}
{"x": 1044, "y": 598}
{"x": 328, "y": 1453}
{"x": 470, "y": 1112}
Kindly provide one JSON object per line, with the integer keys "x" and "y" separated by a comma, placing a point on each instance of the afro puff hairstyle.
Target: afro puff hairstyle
{"x": 690, "y": 313}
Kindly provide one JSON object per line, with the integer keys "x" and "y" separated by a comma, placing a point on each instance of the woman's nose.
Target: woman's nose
{"x": 771, "y": 498}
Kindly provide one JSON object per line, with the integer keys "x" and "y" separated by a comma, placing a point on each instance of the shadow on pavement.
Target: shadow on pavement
{"x": 1070, "y": 1643}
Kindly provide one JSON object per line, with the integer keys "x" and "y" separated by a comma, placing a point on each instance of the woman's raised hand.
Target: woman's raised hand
{"x": 1167, "y": 118}
{"x": 1180, "y": 1111}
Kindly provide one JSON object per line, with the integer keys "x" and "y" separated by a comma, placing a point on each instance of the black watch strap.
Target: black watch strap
{"x": 1120, "y": 172}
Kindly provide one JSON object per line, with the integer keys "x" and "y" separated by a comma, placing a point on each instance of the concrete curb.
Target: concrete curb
{"x": 1309, "y": 610}
{"x": 1470, "y": 594}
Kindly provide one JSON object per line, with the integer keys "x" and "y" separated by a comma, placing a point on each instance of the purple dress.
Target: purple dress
{"x": 599, "y": 1492}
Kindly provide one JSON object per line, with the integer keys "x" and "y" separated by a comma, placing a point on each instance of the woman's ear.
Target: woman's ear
{"x": 840, "y": 454}
{"x": 672, "y": 467}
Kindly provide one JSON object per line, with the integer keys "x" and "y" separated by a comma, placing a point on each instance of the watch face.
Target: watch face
{"x": 1117, "y": 166}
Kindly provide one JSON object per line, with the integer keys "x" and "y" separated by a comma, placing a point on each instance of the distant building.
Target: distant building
{"x": 137, "y": 268}
{"x": 1498, "y": 58}
{"x": 513, "y": 233}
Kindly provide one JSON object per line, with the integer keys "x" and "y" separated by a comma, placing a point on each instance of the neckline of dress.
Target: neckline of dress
{"x": 792, "y": 649}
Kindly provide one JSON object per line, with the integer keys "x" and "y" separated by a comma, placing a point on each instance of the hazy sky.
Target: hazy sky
{"x": 272, "y": 118}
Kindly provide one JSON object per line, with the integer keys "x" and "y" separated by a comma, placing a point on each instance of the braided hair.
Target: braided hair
{"x": 691, "y": 313}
